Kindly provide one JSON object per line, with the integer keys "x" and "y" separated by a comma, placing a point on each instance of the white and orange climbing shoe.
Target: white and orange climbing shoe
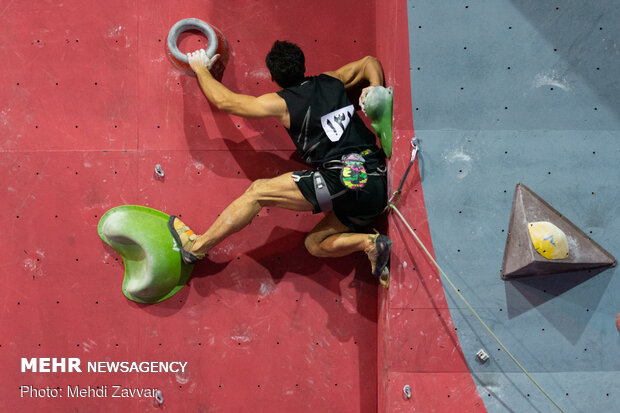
{"x": 185, "y": 238}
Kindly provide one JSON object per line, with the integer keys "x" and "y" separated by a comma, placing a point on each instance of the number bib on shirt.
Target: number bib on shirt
{"x": 335, "y": 123}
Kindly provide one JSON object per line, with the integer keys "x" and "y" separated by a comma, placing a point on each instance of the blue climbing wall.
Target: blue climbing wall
{"x": 523, "y": 91}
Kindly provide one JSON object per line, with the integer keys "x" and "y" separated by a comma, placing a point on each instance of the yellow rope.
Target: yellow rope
{"x": 471, "y": 308}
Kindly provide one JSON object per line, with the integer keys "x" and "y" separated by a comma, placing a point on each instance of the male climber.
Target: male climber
{"x": 325, "y": 130}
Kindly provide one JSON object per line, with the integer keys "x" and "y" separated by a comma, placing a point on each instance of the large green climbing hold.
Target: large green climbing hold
{"x": 378, "y": 106}
{"x": 154, "y": 270}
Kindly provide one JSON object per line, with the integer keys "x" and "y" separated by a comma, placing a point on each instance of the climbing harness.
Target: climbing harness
{"x": 353, "y": 175}
{"x": 323, "y": 196}
{"x": 392, "y": 206}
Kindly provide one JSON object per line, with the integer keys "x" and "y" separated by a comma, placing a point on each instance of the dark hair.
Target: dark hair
{"x": 287, "y": 63}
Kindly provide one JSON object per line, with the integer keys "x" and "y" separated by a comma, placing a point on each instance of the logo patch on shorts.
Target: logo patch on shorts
{"x": 335, "y": 123}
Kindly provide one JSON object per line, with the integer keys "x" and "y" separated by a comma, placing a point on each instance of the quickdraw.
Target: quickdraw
{"x": 396, "y": 195}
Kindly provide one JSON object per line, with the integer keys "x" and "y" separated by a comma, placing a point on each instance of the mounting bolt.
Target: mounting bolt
{"x": 159, "y": 171}
{"x": 407, "y": 392}
{"x": 482, "y": 356}
{"x": 159, "y": 396}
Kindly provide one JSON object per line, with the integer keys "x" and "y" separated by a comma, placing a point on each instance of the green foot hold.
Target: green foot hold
{"x": 378, "y": 106}
{"x": 154, "y": 270}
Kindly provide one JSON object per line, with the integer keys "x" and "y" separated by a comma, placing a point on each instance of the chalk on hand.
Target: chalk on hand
{"x": 201, "y": 56}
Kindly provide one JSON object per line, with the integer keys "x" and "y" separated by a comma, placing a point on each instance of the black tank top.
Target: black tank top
{"x": 324, "y": 124}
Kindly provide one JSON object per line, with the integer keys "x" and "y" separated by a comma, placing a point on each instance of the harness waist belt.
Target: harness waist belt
{"x": 323, "y": 197}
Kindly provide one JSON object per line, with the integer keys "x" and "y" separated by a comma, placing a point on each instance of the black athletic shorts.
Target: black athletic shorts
{"x": 355, "y": 209}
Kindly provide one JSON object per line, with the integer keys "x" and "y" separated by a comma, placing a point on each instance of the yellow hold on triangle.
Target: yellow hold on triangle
{"x": 549, "y": 240}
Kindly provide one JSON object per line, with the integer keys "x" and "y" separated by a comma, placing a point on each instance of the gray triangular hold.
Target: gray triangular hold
{"x": 520, "y": 257}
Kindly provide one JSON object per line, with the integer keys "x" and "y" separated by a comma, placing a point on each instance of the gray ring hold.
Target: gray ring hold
{"x": 190, "y": 24}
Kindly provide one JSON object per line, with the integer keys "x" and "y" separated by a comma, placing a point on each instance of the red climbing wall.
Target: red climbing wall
{"x": 418, "y": 345}
{"x": 89, "y": 104}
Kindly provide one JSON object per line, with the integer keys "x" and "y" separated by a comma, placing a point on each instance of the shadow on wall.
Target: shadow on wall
{"x": 265, "y": 164}
{"x": 283, "y": 252}
{"x": 571, "y": 312}
{"x": 586, "y": 35}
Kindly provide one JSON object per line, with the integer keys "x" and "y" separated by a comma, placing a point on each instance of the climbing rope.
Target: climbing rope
{"x": 392, "y": 206}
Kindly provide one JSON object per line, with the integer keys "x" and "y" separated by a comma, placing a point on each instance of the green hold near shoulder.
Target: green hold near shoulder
{"x": 378, "y": 105}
